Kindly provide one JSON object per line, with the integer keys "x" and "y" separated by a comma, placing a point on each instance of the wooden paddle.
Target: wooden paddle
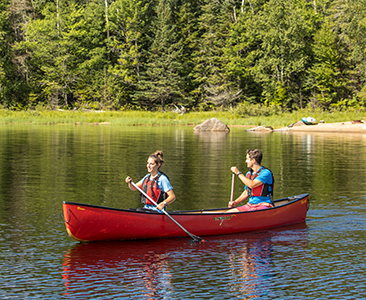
{"x": 194, "y": 237}
{"x": 232, "y": 189}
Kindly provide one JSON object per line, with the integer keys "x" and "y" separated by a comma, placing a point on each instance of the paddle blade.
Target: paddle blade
{"x": 197, "y": 239}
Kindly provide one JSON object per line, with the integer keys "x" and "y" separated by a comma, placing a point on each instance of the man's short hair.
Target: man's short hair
{"x": 255, "y": 154}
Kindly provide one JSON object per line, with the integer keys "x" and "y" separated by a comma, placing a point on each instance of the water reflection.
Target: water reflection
{"x": 211, "y": 136}
{"x": 251, "y": 267}
{"x": 153, "y": 268}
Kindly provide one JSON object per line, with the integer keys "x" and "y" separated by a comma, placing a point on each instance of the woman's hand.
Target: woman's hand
{"x": 161, "y": 205}
{"x": 129, "y": 182}
{"x": 170, "y": 200}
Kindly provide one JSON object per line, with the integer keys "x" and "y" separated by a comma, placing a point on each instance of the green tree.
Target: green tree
{"x": 49, "y": 60}
{"x": 128, "y": 28}
{"x": 67, "y": 54}
{"x": 208, "y": 58}
{"x": 199, "y": 53}
{"x": 4, "y": 50}
{"x": 187, "y": 26}
{"x": 160, "y": 82}
{"x": 285, "y": 30}
{"x": 90, "y": 39}
{"x": 242, "y": 51}
{"x": 325, "y": 75}
{"x": 350, "y": 21}
{"x": 12, "y": 88}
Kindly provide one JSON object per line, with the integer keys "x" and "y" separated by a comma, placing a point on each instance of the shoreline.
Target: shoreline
{"x": 345, "y": 127}
{"x": 334, "y": 121}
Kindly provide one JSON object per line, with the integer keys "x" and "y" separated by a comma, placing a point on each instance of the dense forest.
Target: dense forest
{"x": 200, "y": 54}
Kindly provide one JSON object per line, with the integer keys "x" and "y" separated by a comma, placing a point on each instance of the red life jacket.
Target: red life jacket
{"x": 150, "y": 187}
{"x": 262, "y": 190}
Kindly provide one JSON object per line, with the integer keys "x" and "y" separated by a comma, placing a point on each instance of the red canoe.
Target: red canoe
{"x": 95, "y": 223}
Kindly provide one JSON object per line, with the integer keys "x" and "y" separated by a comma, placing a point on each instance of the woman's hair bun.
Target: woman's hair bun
{"x": 158, "y": 157}
{"x": 159, "y": 153}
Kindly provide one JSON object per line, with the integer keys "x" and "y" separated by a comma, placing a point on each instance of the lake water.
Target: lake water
{"x": 41, "y": 166}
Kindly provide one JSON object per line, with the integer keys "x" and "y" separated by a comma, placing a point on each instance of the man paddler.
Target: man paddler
{"x": 259, "y": 184}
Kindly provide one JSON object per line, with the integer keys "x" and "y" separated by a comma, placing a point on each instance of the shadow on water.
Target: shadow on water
{"x": 239, "y": 264}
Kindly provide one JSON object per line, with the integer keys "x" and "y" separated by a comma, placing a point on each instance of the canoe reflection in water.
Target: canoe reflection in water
{"x": 224, "y": 266}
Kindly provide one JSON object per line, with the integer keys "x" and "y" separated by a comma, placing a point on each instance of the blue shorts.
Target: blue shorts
{"x": 153, "y": 207}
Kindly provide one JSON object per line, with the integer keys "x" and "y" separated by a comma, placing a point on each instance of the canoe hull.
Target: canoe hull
{"x": 95, "y": 223}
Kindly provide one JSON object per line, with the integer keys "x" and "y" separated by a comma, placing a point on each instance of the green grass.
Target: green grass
{"x": 118, "y": 118}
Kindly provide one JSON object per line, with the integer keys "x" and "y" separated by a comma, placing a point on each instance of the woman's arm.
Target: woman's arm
{"x": 131, "y": 187}
{"x": 169, "y": 200}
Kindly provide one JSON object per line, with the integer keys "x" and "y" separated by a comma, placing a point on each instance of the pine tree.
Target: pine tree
{"x": 188, "y": 35}
{"x": 208, "y": 73}
{"x": 160, "y": 83}
{"x": 242, "y": 52}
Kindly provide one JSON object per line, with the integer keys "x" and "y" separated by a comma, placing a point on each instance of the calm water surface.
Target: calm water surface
{"x": 41, "y": 166}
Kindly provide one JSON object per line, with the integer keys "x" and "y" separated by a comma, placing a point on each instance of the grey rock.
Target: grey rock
{"x": 212, "y": 125}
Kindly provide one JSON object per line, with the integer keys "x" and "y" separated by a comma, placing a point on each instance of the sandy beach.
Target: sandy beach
{"x": 351, "y": 126}
{"x": 357, "y": 126}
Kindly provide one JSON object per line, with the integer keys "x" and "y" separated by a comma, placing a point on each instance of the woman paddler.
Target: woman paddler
{"x": 155, "y": 184}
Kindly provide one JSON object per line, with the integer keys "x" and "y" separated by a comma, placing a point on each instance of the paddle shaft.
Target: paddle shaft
{"x": 194, "y": 237}
{"x": 232, "y": 188}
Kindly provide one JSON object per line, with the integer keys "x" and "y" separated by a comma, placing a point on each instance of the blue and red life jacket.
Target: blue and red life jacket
{"x": 150, "y": 187}
{"x": 263, "y": 190}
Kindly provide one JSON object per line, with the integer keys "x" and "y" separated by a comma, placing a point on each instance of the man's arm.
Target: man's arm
{"x": 241, "y": 198}
{"x": 248, "y": 182}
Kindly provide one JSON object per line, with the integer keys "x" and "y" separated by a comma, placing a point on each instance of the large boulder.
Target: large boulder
{"x": 212, "y": 125}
